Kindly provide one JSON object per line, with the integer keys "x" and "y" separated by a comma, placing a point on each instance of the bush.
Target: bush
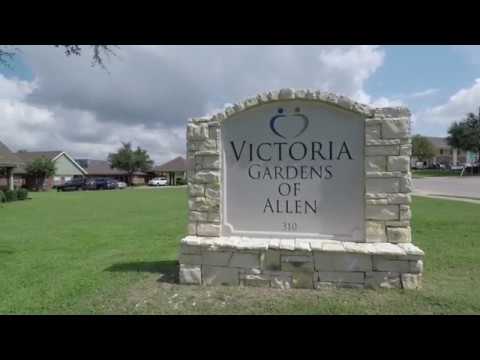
{"x": 3, "y": 198}
{"x": 22, "y": 194}
{"x": 181, "y": 182}
{"x": 11, "y": 195}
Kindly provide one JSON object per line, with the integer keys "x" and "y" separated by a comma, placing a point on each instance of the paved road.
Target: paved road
{"x": 448, "y": 186}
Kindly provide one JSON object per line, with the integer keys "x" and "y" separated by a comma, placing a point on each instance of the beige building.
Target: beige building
{"x": 444, "y": 153}
{"x": 66, "y": 168}
{"x": 175, "y": 170}
{"x": 9, "y": 162}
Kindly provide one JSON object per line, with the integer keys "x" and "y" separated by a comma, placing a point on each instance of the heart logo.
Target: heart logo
{"x": 297, "y": 115}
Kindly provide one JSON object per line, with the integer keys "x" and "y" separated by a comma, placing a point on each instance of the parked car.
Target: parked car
{"x": 101, "y": 184}
{"x": 160, "y": 181}
{"x": 72, "y": 185}
{"x": 121, "y": 185}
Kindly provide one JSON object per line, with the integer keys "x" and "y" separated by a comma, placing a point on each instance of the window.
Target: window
{"x": 441, "y": 151}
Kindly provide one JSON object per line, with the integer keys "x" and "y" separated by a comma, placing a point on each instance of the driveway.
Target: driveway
{"x": 460, "y": 187}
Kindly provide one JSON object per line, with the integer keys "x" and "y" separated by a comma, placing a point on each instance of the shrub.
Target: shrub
{"x": 22, "y": 194}
{"x": 181, "y": 182}
{"x": 11, "y": 195}
{"x": 2, "y": 197}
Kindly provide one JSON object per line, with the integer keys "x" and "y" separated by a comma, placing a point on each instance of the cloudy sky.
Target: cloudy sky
{"x": 52, "y": 102}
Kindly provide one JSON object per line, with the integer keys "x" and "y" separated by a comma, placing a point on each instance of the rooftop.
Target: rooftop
{"x": 177, "y": 164}
{"x": 101, "y": 168}
{"x": 7, "y": 157}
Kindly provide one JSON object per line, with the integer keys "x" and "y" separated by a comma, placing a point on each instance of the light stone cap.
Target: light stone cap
{"x": 304, "y": 245}
{"x": 339, "y": 101}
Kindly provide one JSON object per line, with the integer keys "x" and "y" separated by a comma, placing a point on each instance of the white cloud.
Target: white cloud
{"x": 386, "y": 102}
{"x": 436, "y": 120}
{"x": 424, "y": 93}
{"x": 151, "y": 91}
{"x": 14, "y": 89}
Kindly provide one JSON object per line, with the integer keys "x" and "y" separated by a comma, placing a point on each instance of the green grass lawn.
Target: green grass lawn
{"x": 115, "y": 252}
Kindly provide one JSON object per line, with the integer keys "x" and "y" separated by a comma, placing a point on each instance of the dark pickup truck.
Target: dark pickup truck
{"x": 72, "y": 185}
{"x": 101, "y": 184}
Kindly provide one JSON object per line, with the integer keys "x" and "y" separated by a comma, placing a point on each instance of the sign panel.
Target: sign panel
{"x": 294, "y": 169}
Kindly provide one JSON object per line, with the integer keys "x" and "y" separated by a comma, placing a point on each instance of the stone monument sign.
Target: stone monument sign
{"x": 300, "y": 189}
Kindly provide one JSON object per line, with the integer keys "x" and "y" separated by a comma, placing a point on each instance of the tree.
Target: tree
{"x": 130, "y": 160}
{"x": 422, "y": 148}
{"x": 7, "y": 53}
{"x": 465, "y": 135}
{"x": 40, "y": 169}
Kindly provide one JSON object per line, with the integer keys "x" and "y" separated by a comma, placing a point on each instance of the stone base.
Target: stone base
{"x": 299, "y": 263}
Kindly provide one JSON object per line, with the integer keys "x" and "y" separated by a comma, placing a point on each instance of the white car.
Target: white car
{"x": 158, "y": 182}
{"x": 121, "y": 185}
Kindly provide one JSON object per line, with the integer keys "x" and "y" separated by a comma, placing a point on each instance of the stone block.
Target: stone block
{"x": 287, "y": 244}
{"x": 382, "y": 142}
{"x": 406, "y": 150}
{"x": 198, "y": 216}
{"x": 303, "y": 280}
{"x": 375, "y": 231}
{"x": 411, "y": 281}
{"x": 372, "y": 132}
{"x": 323, "y": 285}
{"x": 405, "y": 212}
{"x": 215, "y": 275}
{"x": 388, "y": 249}
{"x": 216, "y": 258}
{"x": 382, "y": 212}
{"x": 206, "y": 229}
{"x": 206, "y": 177}
{"x": 399, "y": 234}
{"x": 392, "y": 112}
{"x": 403, "y": 223}
{"x": 197, "y": 132}
{"x": 212, "y": 194}
{"x": 375, "y": 163}
{"x": 190, "y": 274}
{"x": 195, "y": 190}
{"x": 281, "y": 282}
{"x": 356, "y": 248}
{"x": 383, "y": 185}
{"x": 208, "y": 145}
{"x": 250, "y": 102}
{"x": 213, "y": 217}
{"x": 334, "y": 247}
{"x": 257, "y": 283}
{"x": 416, "y": 266}
{"x": 383, "y": 174}
{"x": 388, "y": 280}
{"x": 341, "y": 277}
{"x": 381, "y": 263}
{"x": 210, "y": 162}
{"x": 297, "y": 264}
{"x": 202, "y": 204}
{"x": 271, "y": 260}
{"x": 398, "y": 163}
{"x": 385, "y": 150}
{"x": 406, "y": 185}
{"x": 190, "y": 259}
{"x": 192, "y": 228}
{"x": 302, "y": 245}
{"x": 188, "y": 249}
{"x": 342, "y": 262}
{"x": 378, "y": 202}
{"x": 396, "y": 128}
{"x": 399, "y": 199}
{"x": 411, "y": 250}
{"x": 245, "y": 260}
{"x": 286, "y": 93}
